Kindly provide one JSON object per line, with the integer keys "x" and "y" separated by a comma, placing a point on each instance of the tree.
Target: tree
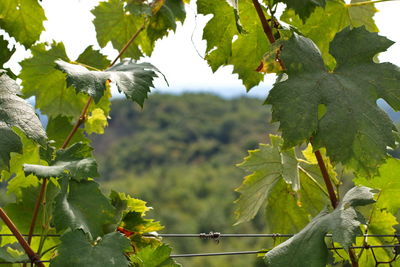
{"x": 332, "y": 131}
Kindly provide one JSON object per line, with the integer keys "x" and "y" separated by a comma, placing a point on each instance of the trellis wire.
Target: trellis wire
{"x": 216, "y": 234}
{"x": 266, "y": 250}
{"x": 245, "y": 252}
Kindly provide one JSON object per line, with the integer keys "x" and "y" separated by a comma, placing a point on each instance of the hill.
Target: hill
{"x": 179, "y": 154}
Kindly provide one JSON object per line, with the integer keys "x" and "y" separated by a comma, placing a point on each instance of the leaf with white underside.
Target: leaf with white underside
{"x": 308, "y": 248}
{"x": 132, "y": 79}
{"x": 75, "y": 160}
{"x": 15, "y": 112}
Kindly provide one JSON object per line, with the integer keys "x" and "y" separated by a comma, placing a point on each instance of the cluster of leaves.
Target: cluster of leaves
{"x": 94, "y": 229}
{"x": 328, "y": 84}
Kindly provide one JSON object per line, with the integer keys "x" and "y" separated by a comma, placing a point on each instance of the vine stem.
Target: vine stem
{"x": 79, "y": 122}
{"x": 28, "y": 250}
{"x": 321, "y": 164}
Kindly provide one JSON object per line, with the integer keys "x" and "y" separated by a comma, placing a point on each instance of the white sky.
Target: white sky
{"x": 176, "y": 56}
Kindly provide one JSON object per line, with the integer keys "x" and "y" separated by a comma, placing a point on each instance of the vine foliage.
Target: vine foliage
{"x": 333, "y": 133}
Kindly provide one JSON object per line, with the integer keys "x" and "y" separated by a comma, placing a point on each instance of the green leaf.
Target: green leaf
{"x": 22, "y": 19}
{"x": 288, "y": 213}
{"x": 117, "y": 22}
{"x": 154, "y": 257}
{"x": 93, "y": 58}
{"x": 15, "y": 112}
{"x": 15, "y": 175}
{"x": 125, "y": 203}
{"x": 58, "y": 129}
{"x": 114, "y": 23}
{"x": 6, "y": 255}
{"x": 5, "y": 53}
{"x": 22, "y": 210}
{"x": 380, "y": 223}
{"x": 354, "y": 130}
{"x": 81, "y": 205}
{"x": 324, "y": 23}
{"x": 96, "y": 122}
{"x": 268, "y": 164}
{"x": 134, "y": 221}
{"x": 246, "y": 53}
{"x": 47, "y": 84}
{"x": 304, "y": 7}
{"x": 77, "y": 250}
{"x": 133, "y": 79}
{"x": 308, "y": 248}
{"x": 388, "y": 183}
{"x": 75, "y": 161}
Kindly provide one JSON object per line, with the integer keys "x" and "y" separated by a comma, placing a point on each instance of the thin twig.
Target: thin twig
{"x": 28, "y": 250}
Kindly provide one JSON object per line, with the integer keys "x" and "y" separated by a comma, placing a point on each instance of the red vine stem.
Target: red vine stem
{"x": 79, "y": 122}
{"x": 31, "y": 254}
{"x": 328, "y": 182}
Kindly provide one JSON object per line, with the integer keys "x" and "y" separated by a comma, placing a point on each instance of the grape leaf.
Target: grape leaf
{"x": 6, "y": 256}
{"x": 81, "y": 205}
{"x": 113, "y": 24}
{"x": 15, "y": 175}
{"x": 304, "y": 7}
{"x": 93, "y": 58}
{"x": 133, "y": 79}
{"x": 354, "y": 130}
{"x": 125, "y": 203}
{"x": 75, "y": 160}
{"x": 22, "y": 210}
{"x": 5, "y": 53}
{"x": 294, "y": 213}
{"x": 388, "y": 183}
{"x": 130, "y": 213}
{"x": 116, "y": 22}
{"x": 268, "y": 164}
{"x": 247, "y": 51}
{"x": 380, "y": 223}
{"x": 96, "y": 122}
{"x": 15, "y": 112}
{"x": 41, "y": 79}
{"x": 76, "y": 250}
{"x": 22, "y": 19}
{"x": 324, "y": 23}
{"x": 154, "y": 257}
{"x": 47, "y": 84}
{"x": 308, "y": 248}
{"x": 58, "y": 129}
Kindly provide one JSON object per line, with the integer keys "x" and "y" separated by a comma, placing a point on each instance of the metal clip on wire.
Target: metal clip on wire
{"x": 211, "y": 235}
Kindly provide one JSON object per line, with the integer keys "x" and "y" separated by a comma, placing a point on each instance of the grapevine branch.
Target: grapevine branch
{"x": 82, "y": 118}
{"x": 328, "y": 182}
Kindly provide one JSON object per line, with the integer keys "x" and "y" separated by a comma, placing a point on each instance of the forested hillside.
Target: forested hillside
{"x": 179, "y": 153}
